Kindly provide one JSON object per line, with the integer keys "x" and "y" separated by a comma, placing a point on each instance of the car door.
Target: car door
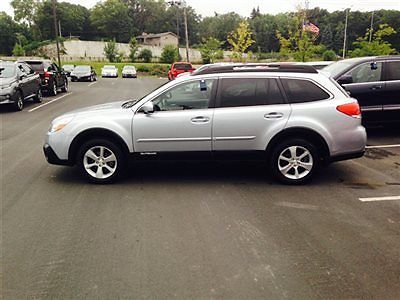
{"x": 391, "y": 99}
{"x": 248, "y": 113}
{"x": 57, "y": 75}
{"x": 32, "y": 79}
{"x": 182, "y": 119}
{"x": 24, "y": 81}
{"x": 366, "y": 84}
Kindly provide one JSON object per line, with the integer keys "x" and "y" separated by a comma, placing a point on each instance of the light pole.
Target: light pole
{"x": 182, "y": 3}
{"x": 345, "y": 33}
{"x": 56, "y": 32}
{"x": 370, "y": 29}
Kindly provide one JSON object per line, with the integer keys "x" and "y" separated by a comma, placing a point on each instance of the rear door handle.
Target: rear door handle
{"x": 273, "y": 115}
{"x": 200, "y": 119}
{"x": 376, "y": 87}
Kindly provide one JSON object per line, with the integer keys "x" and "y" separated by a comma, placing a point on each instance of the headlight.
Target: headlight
{"x": 60, "y": 123}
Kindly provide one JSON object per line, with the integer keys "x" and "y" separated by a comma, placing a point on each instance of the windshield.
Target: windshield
{"x": 7, "y": 71}
{"x": 338, "y": 67}
{"x": 109, "y": 67}
{"x": 182, "y": 67}
{"x": 68, "y": 66}
{"x": 82, "y": 69}
{"x": 129, "y": 68}
{"x": 131, "y": 103}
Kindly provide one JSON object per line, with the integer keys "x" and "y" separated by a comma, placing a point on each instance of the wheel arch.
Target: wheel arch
{"x": 95, "y": 133}
{"x": 302, "y": 133}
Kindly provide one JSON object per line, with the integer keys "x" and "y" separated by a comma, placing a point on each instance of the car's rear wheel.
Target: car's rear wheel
{"x": 39, "y": 97}
{"x": 295, "y": 161}
{"x": 101, "y": 161}
{"x": 64, "y": 89}
{"x": 19, "y": 102}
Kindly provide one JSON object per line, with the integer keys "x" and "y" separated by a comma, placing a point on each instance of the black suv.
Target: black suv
{"x": 374, "y": 82}
{"x": 18, "y": 82}
{"x": 52, "y": 76}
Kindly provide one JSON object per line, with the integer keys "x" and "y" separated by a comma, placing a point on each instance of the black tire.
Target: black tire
{"x": 39, "y": 97}
{"x": 64, "y": 89}
{"x": 298, "y": 170}
{"x": 53, "y": 89}
{"x": 109, "y": 147}
{"x": 19, "y": 102}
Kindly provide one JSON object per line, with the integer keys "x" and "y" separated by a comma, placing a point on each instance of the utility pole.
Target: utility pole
{"x": 345, "y": 33}
{"x": 59, "y": 29}
{"x": 186, "y": 32}
{"x": 370, "y": 29}
{"x": 182, "y": 3}
{"x": 56, "y": 32}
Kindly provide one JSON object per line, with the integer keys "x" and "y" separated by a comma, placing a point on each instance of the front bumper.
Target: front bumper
{"x": 6, "y": 99}
{"x": 130, "y": 75}
{"x": 52, "y": 157}
{"x": 109, "y": 75}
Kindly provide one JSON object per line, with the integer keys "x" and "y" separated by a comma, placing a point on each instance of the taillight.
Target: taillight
{"x": 47, "y": 74}
{"x": 350, "y": 109}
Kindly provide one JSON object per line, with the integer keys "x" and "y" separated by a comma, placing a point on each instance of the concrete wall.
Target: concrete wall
{"x": 94, "y": 51}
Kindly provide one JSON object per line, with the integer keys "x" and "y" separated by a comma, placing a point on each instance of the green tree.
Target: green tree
{"x": 264, "y": 28}
{"x": 211, "y": 50}
{"x": 170, "y": 54}
{"x": 24, "y": 10}
{"x": 112, "y": 20}
{"x": 378, "y": 45}
{"x": 327, "y": 37}
{"x": 8, "y": 29}
{"x": 145, "y": 55}
{"x": 240, "y": 39}
{"x": 134, "y": 47}
{"x": 111, "y": 51}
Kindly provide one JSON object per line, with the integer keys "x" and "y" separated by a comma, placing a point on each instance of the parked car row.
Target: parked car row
{"x": 29, "y": 80}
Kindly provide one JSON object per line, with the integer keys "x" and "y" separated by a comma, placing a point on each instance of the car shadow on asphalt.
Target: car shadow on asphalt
{"x": 200, "y": 172}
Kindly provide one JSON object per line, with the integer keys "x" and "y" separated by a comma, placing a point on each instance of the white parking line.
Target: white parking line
{"x": 389, "y": 198}
{"x": 47, "y": 103}
{"x": 383, "y": 146}
{"x": 90, "y": 84}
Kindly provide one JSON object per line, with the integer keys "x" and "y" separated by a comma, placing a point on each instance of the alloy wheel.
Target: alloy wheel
{"x": 100, "y": 162}
{"x": 295, "y": 162}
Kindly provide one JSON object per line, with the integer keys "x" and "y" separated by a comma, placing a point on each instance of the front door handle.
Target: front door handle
{"x": 200, "y": 119}
{"x": 273, "y": 115}
{"x": 376, "y": 87}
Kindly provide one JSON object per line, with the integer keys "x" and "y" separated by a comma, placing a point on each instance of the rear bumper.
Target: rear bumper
{"x": 52, "y": 157}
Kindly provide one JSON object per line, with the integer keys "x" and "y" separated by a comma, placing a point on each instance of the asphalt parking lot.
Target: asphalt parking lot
{"x": 192, "y": 230}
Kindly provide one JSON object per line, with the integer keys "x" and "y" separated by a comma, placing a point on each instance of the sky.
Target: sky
{"x": 244, "y": 7}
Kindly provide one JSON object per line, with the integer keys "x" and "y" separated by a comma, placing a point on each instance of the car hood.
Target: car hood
{"x": 98, "y": 108}
{"x": 81, "y": 72}
{"x": 5, "y": 82}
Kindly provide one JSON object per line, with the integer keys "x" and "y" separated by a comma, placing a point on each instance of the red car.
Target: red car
{"x": 179, "y": 68}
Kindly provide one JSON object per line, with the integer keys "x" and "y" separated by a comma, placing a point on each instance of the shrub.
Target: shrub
{"x": 18, "y": 50}
{"x": 110, "y": 50}
{"x": 170, "y": 54}
{"x": 329, "y": 55}
{"x": 145, "y": 55}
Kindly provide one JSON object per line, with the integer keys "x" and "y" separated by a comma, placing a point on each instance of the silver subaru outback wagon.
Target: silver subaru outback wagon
{"x": 292, "y": 116}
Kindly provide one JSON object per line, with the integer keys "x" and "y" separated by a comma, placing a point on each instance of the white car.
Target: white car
{"x": 109, "y": 71}
{"x": 129, "y": 71}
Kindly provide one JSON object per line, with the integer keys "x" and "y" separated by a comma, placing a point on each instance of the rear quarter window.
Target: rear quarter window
{"x": 300, "y": 91}
{"x": 393, "y": 70}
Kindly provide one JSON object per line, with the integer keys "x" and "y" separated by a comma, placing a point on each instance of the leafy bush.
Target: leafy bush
{"x": 111, "y": 51}
{"x": 329, "y": 55}
{"x": 170, "y": 54}
{"x": 18, "y": 50}
{"x": 145, "y": 55}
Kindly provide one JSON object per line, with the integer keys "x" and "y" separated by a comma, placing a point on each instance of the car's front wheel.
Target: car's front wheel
{"x": 19, "y": 102}
{"x": 64, "y": 88}
{"x": 38, "y": 97}
{"x": 295, "y": 161}
{"x": 101, "y": 161}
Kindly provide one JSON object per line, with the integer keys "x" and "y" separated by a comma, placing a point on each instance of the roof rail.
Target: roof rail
{"x": 257, "y": 67}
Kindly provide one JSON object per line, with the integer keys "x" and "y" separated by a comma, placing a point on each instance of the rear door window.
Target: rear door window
{"x": 299, "y": 91}
{"x": 235, "y": 92}
{"x": 393, "y": 70}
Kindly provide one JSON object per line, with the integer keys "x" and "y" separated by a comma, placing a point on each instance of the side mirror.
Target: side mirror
{"x": 147, "y": 108}
{"x": 22, "y": 76}
{"x": 345, "y": 79}
{"x": 374, "y": 66}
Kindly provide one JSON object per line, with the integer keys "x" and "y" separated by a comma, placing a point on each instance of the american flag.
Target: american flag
{"x": 311, "y": 27}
